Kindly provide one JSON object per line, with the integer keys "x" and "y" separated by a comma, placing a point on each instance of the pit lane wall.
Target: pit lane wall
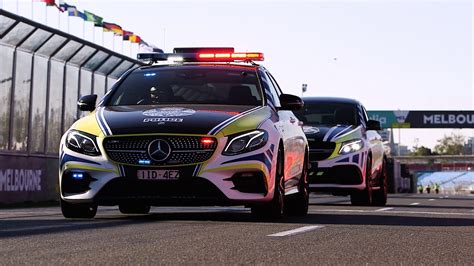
{"x": 43, "y": 71}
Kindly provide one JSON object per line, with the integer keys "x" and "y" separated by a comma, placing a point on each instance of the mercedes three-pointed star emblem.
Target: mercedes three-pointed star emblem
{"x": 159, "y": 150}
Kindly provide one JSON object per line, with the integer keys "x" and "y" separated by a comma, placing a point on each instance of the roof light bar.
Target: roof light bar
{"x": 206, "y": 56}
{"x": 227, "y": 57}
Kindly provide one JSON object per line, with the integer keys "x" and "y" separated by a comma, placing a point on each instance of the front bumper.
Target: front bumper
{"x": 220, "y": 181}
{"x": 343, "y": 172}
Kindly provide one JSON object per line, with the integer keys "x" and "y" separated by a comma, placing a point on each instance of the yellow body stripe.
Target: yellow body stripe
{"x": 247, "y": 122}
{"x": 89, "y": 168}
{"x": 88, "y": 124}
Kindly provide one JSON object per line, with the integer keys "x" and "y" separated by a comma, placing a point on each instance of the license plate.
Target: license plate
{"x": 158, "y": 174}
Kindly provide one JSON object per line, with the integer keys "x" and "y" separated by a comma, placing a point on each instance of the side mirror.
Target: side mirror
{"x": 87, "y": 102}
{"x": 291, "y": 102}
{"x": 373, "y": 125}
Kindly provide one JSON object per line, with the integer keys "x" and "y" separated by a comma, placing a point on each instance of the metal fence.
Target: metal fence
{"x": 43, "y": 72}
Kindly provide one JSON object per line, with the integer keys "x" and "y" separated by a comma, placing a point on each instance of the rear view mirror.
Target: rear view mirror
{"x": 373, "y": 125}
{"x": 291, "y": 102}
{"x": 87, "y": 102}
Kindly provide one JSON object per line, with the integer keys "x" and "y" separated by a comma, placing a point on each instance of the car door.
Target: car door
{"x": 375, "y": 142}
{"x": 294, "y": 141}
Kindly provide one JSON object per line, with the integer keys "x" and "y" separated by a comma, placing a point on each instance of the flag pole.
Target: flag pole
{"x": 59, "y": 20}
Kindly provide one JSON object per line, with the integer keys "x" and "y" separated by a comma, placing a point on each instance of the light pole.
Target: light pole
{"x": 304, "y": 88}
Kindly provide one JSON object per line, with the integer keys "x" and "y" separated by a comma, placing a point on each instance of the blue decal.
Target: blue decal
{"x": 269, "y": 154}
{"x": 355, "y": 159}
{"x": 149, "y": 74}
{"x": 345, "y": 160}
{"x": 70, "y": 158}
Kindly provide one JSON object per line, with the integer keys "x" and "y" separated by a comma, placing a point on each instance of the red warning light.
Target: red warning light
{"x": 207, "y": 141}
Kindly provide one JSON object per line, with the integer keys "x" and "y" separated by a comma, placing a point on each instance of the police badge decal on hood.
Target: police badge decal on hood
{"x": 196, "y": 119}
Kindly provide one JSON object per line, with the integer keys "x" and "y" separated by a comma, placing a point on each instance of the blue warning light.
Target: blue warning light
{"x": 78, "y": 176}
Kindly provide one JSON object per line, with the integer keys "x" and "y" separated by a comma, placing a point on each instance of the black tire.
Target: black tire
{"x": 274, "y": 208}
{"x": 79, "y": 210}
{"x": 134, "y": 208}
{"x": 297, "y": 204}
{"x": 379, "y": 197}
{"x": 364, "y": 197}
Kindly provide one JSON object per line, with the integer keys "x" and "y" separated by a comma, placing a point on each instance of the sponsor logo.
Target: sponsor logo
{"x": 169, "y": 112}
{"x": 159, "y": 150}
{"x": 401, "y": 116}
{"x": 20, "y": 180}
{"x": 162, "y": 120}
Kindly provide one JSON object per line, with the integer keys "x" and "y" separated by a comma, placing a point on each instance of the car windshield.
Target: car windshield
{"x": 323, "y": 113}
{"x": 191, "y": 85}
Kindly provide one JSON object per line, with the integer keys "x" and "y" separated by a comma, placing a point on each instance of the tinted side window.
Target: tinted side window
{"x": 275, "y": 84}
{"x": 270, "y": 91}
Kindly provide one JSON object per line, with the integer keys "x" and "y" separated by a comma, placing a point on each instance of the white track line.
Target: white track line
{"x": 399, "y": 212}
{"x": 414, "y": 203}
{"x": 431, "y": 199}
{"x": 383, "y": 209}
{"x": 296, "y": 231}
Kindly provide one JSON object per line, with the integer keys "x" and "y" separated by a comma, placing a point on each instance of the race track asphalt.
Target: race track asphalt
{"x": 411, "y": 229}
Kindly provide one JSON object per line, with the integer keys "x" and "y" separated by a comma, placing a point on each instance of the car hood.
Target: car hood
{"x": 182, "y": 119}
{"x": 327, "y": 133}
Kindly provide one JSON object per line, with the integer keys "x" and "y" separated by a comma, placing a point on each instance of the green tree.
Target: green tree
{"x": 450, "y": 145}
{"x": 421, "y": 151}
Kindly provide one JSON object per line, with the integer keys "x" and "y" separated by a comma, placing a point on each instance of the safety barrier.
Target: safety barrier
{"x": 43, "y": 71}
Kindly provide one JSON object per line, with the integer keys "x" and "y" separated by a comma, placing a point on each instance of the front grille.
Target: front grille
{"x": 320, "y": 150}
{"x": 134, "y": 150}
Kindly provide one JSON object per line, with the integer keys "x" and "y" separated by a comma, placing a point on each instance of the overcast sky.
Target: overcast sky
{"x": 408, "y": 55}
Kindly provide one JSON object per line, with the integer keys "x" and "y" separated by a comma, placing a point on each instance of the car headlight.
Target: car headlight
{"x": 246, "y": 142}
{"x": 82, "y": 142}
{"x": 351, "y": 146}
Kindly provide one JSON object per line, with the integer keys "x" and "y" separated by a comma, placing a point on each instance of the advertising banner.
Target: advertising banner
{"x": 423, "y": 119}
{"x": 27, "y": 179}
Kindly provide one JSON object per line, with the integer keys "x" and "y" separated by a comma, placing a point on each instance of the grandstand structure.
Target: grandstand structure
{"x": 454, "y": 173}
{"x": 449, "y": 181}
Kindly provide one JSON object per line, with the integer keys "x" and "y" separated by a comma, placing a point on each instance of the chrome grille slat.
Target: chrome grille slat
{"x": 184, "y": 149}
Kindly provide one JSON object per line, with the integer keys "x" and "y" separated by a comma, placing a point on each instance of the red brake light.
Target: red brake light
{"x": 207, "y": 141}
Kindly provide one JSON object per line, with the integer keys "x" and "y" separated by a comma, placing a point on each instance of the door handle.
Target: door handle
{"x": 292, "y": 120}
